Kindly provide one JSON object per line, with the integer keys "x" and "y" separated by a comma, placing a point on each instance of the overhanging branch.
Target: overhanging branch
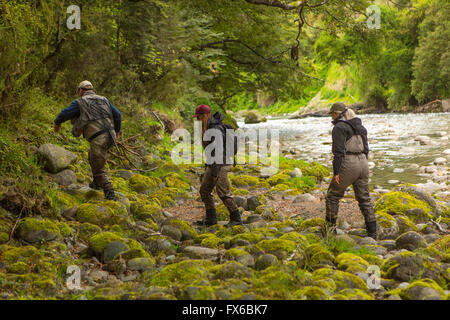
{"x": 277, "y": 4}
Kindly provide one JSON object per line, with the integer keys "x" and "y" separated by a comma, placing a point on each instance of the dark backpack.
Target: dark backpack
{"x": 230, "y": 135}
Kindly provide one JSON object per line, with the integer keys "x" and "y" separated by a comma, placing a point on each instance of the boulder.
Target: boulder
{"x": 112, "y": 249}
{"x": 56, "y": 158}
{"x": 307, "y": 197}
{"x": 66, "y": 177}
{"x": 200, "y": 252}
{"x": 253, "y": 203}
{"x": 34, "y": 230}
{"x": 140, "y": 264}
{"x": 171, "y": 232}
{"x": 410, "y": 241}
{"x": 264, "y": 261}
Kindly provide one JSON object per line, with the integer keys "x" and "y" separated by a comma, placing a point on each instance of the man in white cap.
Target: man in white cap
{"x": 100, "y": 122}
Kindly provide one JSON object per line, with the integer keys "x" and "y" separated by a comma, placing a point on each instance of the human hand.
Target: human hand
{"x": 118, "y": 135}
{"x": 337, "y": 178}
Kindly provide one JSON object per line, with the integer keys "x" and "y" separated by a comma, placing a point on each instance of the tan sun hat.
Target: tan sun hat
{"x": 85, "y": 85}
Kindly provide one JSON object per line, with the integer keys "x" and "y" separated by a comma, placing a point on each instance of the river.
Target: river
{"x": 392, "y": 141}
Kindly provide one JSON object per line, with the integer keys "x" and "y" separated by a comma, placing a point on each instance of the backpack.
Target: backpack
{"x": 230, "y": 135}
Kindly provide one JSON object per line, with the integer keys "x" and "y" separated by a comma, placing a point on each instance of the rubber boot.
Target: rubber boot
{"x": 210, "y": 218}
{"x": 235, "y": 219}
{"x": 371, "y": 228}
{"x": 110, "y": 195}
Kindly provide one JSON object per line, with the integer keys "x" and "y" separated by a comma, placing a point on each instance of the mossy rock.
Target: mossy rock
{"x": 318, "y": 256}
{"x": 4, "y": 237}
{"x": 280, "y": 248}
{"x": 252, "y": 237}
{"x": 28, "y": 254}
{"x": 239, "y": 255}
{"x": 343, "y": 280}
{"x": 184, "y": 227}
{"x": 424, "y": 289}
{"x": 182, "y": 273}
{"x": 99, "y": 241}
{"x": 313, "y": 222}
{"x": 398, "y": 202}
{"x": 230, "y": 270}
{"x": 34, "y": 230}
{"x": 19, "y": 268}
{"x": 151, "y": 210}
{"x": 440, "y": 249}
{"x": 141, "y": 183}
{"x": 352, "y": 263}
{"x": 174, "y": 180}
{"x": 351, "y": 294}
{"x": 199, "y": 293}
{"x": 243, "y": 180}
{"x": 279, "y": 178}
{"x": 102, "y": 213}
{"x": 403, "y": 266}
{"x": 387, "y": 226}
{"x": 311, "y": 293}
{"x": 405, "y": 224}
{"x": 87, "y": 230}
{"x": 275, "y": 279}
{"x": 209, "y": 240}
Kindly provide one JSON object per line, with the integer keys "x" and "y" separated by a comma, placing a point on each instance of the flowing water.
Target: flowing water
{"x": 391, "y": 142}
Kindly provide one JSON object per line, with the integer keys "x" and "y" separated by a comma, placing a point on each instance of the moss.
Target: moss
{"x": 311, "y": 293}
{"x": 64, "y": 229}
{"x": 313, "y": 222}
{"x": 140, "y": 183}
{"x": 351, "y": 263}
{"x": 200, "y": 293}
{"x": 229, "y": 270}
{"x": 318, "y": 255}
{"x": 182, "y": 273}
{"x": 87, "y": 230}
{"x": 326, "y": 284}
{"x": 98, "y": 242}
{"x": 165, "y": 196}
{"x": 343, "y": 280}
{"x": 279, "y": 178}
{"x": 243, "y": 180}
{"x": 46, "y": 285}
{"x": 234, "y": 253}
{"x": 280, "y": 187}
{"x": 183, "y": 226}
{"x": 45, "y": 227}
{"x": 440, "y": 249}
{"x": 408, "y": 292}
{"x": 262, "y": 184}
{"x": 351, "y": 294}
{"x": 135, "y": 253}
{"x": 405, "y": 224}
{"x": 372, "y": 259}
{"x": 252, "y": 237}
{"x": 150, "y": 210}
{"x": 238, "y": 229}
{"x": 278, "y": 247}
{"x": 385, "y": 220}
{"x": 273, "y": 278}
{"x": 4, "y": 237}
{"x": 19, "y": 268}
{"x": 209, "y": 240}
{"x": 101, "y": 213}
{"x": 173, "y": 180}
{"x": 398, "y": 202}
{"x": 297, "y": 238}
{"x": 240, "y": 192}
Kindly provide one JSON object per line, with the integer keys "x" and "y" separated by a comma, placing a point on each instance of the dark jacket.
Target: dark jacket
{"x": 342, "y": 131}
{"x": 216, "y": 122}
{"x": 73, "y": 112}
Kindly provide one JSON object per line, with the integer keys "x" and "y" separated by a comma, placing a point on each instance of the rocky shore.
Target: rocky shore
{"x": 145, "y": 246}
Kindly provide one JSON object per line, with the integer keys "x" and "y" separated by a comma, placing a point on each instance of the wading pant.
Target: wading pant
{"x": 222, "y": 187}
{"x": 97, "y": 160}
{"x": 354, "y": 171}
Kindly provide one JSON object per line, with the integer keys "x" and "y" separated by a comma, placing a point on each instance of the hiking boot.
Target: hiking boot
{"x": 110, "y": 195}
{"x": 371, "y": 228}
{"x": 235, "y": 219}
{"x": 94, "y": 186}
{"x": 210, "y": 218}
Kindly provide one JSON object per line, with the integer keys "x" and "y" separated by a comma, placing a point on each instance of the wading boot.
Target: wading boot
{"x": 371, "y": 228}
{"x": 235, "y": 219}
{"x": 210, "y": 218}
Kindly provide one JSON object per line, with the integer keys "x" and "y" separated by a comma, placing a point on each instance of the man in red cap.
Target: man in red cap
{"x": 216, "y": 174}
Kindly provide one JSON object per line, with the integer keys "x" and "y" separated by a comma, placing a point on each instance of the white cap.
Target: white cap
{"x": 85, "y": 85}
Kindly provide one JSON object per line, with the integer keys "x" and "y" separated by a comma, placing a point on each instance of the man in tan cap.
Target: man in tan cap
{"x": 100, "y": 122}
{"x": 350, "y": 152}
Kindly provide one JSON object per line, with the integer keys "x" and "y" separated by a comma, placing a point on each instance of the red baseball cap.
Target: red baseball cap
{"x": 201, "y": 109}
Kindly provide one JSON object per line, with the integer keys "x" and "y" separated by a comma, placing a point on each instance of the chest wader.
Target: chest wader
{"x": 96, "y": 123}
{"x": 354, "y": 171}
{"x": 216, "y": 176}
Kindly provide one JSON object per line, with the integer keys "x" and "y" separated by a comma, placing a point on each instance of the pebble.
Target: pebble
{"x": 403, "y": 285}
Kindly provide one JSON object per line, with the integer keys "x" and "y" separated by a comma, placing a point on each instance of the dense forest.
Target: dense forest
{"x": 181, "y": 53}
